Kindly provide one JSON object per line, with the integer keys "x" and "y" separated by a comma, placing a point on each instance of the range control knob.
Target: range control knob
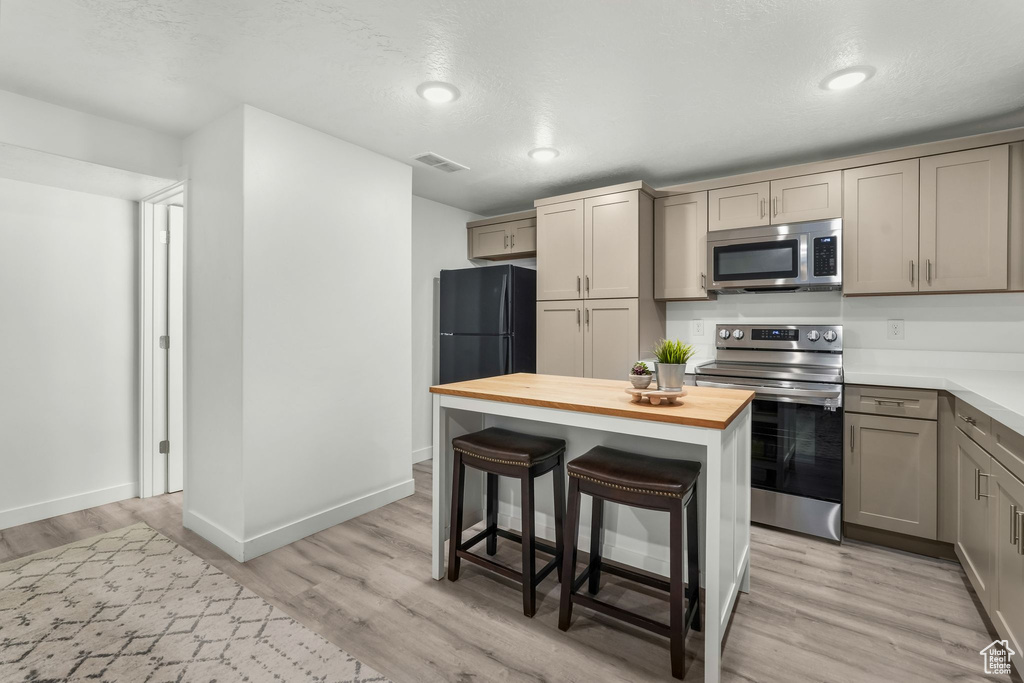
{"x": 724, "y": 334}
{"x": 830, "y": 336}
{"x": 737, "y": 334}
{"x": 813, "y": 335}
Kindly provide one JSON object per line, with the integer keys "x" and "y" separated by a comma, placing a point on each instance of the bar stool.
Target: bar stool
{"x": 640, "y": 481}
{"x": 500, "y": 452}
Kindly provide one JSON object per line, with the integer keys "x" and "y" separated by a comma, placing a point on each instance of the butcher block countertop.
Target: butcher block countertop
{"x": 701, "y": 407}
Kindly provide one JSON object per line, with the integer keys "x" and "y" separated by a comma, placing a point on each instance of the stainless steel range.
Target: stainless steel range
{"x": 796, "y": 373}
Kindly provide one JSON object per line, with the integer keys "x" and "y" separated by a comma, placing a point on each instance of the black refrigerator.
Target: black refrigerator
{"x": 488, "y": 322}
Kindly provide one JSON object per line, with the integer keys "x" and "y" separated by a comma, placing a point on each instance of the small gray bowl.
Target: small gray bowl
{"x": 641, "y": 381}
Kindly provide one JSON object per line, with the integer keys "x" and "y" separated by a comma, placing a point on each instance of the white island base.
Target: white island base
{"x": 632, "y": 536}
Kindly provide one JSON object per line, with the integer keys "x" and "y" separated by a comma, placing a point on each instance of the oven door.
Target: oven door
{"x": 796, "y": 437}
{"x": 758, "y": 262}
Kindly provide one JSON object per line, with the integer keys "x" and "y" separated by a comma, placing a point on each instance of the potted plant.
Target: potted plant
{"x": 640, "y": 375}
{"x": 671, "y": 365}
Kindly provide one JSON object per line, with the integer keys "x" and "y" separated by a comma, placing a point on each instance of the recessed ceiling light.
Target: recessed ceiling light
{"x": 848, "y": 78}
{"x": 543, "y": 153}
{"x": 438, "y": 92}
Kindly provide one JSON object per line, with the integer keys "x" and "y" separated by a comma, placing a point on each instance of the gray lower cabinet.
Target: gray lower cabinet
{"x": 974, "y": 543}
{"x": 891, "y": 469}
{"x": 560, "y": 338}
{"x": 1007, "y": 586}
{"x": 588, "y": 338}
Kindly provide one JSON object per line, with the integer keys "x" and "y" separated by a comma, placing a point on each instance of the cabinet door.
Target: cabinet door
{"x": 1007, "y": 610}
{"x": 891, "y": 474}
{"x": 612, "y": 338}
{"x": 973, "y": 538}
{"x": 488, "y": 241}
{"x": 523, "y": 239}
{"x": 807, "y": 198}
{"x": 964, "y": 220}
{"x": 880, "y": 228}
{"x": 560, "y": 338}
{"x": 680, "y": 246}
{"x": 612, "y": 246}
{"x": 560, "y": 251}
{"x": 743, "y": 206}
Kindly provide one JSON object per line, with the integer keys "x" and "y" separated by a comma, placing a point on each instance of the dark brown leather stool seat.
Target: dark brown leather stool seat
{"x": 607, "y": 474}
{"x": 501, "y": 452}
{"x": 503, "y": 446}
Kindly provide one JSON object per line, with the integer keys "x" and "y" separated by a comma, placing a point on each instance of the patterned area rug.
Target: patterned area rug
{"x": 133, "y": 605}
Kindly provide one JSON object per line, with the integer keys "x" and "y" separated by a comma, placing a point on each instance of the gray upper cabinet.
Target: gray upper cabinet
{"x": 880, "y": 228}
{"x": 680, "y": 246}
{"x": 503, "y": 237}
{"x": 974, "y": 542}
{"x": 1007, "y": 594}
{"x": 742, "y": 206}
{"x": 611, "y": 239}
{"x": 812, "y": 197}
{"x": 964, "y": 220}
{"x": 890, "y": 479}
{"x": 560, "y": 254}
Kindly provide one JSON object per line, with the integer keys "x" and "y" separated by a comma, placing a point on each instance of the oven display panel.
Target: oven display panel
{"x": 765, "y": 334}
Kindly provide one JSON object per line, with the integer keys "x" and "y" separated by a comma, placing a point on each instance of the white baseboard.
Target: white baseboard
{"x": 289, "y": 533}
{"x": 62, "y": 506}
{"x": 214, "y": 533}
{"x": 421, "y": 454}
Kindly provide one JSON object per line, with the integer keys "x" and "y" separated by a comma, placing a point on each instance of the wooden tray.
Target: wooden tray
{"x": 656, "y": 396}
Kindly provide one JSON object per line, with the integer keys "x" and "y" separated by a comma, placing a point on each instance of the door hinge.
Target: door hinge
{"x": 165, "y": 447}
{"x": 165, "y": 342}
{"x": 165, "y": 237}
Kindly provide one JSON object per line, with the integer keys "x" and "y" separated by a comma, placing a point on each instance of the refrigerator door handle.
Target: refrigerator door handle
{"x": 503, "y": 322}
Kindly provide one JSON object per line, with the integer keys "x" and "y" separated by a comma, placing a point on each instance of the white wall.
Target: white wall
{"x": 213, "y": 329}
{"x": 962, "y": 324}
{"x": 68, "y": 331}
{"x": 46, "y": 127}
{"x": 299, "y": 286}
{"x": 438, "y": 243}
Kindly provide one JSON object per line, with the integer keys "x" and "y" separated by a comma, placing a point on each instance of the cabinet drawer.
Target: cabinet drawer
{"x": 897, "y": 402}
{"x": 975, "y": 424}
{"x": 1008, "y": 449}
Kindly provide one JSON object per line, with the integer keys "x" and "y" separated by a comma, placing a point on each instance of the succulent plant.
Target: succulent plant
{"x": 673, "y": 352}
{"x": 640, "y": 368}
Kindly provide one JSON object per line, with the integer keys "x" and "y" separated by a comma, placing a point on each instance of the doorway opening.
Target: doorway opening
{"x": 161, "y": 339}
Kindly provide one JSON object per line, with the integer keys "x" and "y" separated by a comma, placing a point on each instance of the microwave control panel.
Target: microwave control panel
{"x": 825, "y": 252}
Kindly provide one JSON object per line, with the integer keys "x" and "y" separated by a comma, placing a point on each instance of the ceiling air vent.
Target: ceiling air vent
{"x": 440, "y": 163}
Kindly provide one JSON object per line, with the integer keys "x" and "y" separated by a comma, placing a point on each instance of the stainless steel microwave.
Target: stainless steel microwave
{"x": 777, "y": 258}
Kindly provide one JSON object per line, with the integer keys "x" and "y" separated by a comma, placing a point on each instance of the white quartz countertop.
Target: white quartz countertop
{"x": 997, "y": 393}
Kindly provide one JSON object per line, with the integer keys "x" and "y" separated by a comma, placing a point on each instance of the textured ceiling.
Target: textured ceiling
{"x": 663, "y": 91}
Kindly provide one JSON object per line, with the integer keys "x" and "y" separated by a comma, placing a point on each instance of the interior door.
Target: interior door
{"x": 814, "y": 197}
{"x": 176, "y": 352}
{"x": 742, "y": 206}
{"x": 560, "y": 338}
{"x": 612, "y": 246}
{"x": 560, "y": 251}
{"x": 680, "y": 246}
{"x": 1008, "y": 584}
{"x": 880, "y": 228}
{"x": 612, "y": 338}
{"x": 964, "y": 220}
{"x": 973, "y": 537}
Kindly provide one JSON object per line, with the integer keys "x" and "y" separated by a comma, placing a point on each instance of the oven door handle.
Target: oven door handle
{"x": 830, "y": 398}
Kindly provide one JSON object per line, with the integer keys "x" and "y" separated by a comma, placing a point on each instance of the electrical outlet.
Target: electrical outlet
{"x": 894, "y": 330}
{"x": 698, "y": 328}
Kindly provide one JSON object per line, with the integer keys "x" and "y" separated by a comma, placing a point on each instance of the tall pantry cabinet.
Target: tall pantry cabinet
{"x": 596, "y": 313}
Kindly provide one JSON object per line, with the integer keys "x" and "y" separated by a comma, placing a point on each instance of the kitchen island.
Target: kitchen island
{"x": 712, "y": 426}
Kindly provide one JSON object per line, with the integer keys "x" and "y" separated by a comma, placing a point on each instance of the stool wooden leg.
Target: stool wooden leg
{"x": 529, "y": 558}
{"x": 572, "y": 533}
{"x": 693, "y": 561}
{"x": 492, "y": 512}
{"x": 558, "y": 483}
{"x": 596, "y": 531}
{"x": 455, "y": 530}
{"x": 677, "y": 630}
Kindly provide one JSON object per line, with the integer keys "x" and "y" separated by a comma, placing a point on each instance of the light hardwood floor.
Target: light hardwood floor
{"x": 816, "y": 611}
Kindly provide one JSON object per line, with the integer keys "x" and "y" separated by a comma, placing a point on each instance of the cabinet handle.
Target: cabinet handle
{"x": 588, "y": 284}
{"x": 928, "y": 270}
{"x": 588, "y": 317}
{"x": 703, "y": 282}
{"x": 577, "y": 317}
{"x": 506, "y": 241}
{"x": 762, "y": 207}
{"x": 969, "y": 420}
{"x": 1014, "y": 529}
{"x": 775, "y": 206}
{"x": 577, "y": 284}
{"x": 883, "y": 402}
{"x": 513, "y": 240}
{"x": 1020, "y": 535}
{"x": 851, "y": 438}
{"x": 911, "y": 271}
{"x": 978, "y": 495}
